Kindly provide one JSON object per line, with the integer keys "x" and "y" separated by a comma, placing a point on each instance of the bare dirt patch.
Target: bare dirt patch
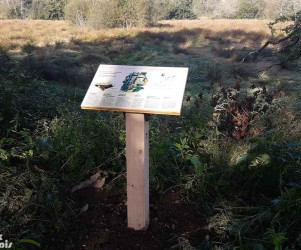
{"x": 104, "y": 225}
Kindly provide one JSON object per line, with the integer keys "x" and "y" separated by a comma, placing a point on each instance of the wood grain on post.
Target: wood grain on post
{"x": 137, "y": 161}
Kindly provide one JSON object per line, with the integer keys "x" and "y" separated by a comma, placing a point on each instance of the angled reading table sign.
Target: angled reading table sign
{"x": 137, "y": 90}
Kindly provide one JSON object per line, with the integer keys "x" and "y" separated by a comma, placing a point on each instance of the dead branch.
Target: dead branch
{"x": 254, "y": 54}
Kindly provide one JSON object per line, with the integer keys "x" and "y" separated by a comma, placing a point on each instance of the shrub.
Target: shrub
{"x": 47, "y": 9}
{"x": 235, "y": 112}
{"x": 76, "y": 141}
{"x": 248, "y": 9}
{"x": 109, "y": 14}
{"x": 183, "y": 9}
{"x": 77, "y": 12}
{"x": 5, "y": 10}
{"x": 46, "y": 144}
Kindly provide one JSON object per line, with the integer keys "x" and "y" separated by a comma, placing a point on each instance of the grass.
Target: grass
{"x": 171, "y": 43}
{"x": 46, "y": 32}
{"x": 245, "y": 189}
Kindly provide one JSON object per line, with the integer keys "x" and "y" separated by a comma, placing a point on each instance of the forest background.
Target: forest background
{"x": 117, "y": 13}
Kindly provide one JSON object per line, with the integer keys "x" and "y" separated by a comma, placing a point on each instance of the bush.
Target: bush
{"x": 5, "y": 10}
{"x": 77, "y": 12}
{"x": 77, "y": 141}
{"x": 234, "y": 112}
{"x": 47, "y": 9}
{"x": 47, "y": 144}
{"x": 109, "y": 14}
{"x": 248, "y": 10}
{"x": 183, "y": 9}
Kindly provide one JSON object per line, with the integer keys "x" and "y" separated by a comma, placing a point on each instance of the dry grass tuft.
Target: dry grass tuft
{"x": 16, "y": 33}
{"x": 55, "y": 46}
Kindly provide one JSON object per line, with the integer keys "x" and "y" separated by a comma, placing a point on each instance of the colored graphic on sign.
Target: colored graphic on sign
{"x": 134, "y": 82}
{"x": 137, "y": 89}
{"x": 104, "y": 85}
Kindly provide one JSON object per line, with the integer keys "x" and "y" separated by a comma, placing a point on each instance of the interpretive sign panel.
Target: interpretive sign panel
{"x": 137, "y": 89}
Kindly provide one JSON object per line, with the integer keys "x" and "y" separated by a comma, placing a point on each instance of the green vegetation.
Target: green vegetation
{"x": 100, "y": 14}
{"x": 232, "y": 159}
{"x": 182, "y": 10}
{"x": 248, "y": 9}
{"x": 108, "y": 14}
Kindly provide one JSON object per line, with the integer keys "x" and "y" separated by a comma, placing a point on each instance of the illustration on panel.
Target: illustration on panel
{"x": 134, "y": 82}
{"x": 104, "y": 85}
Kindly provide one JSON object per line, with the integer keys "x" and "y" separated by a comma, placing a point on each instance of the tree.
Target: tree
{"x": 162, "y": 8}
{"x": 289, "y": 45}
{"x": 48, "y": 9}
{"x": 14, "y": 8}
{"x": 226, "y": 9}
{"x": 55, "y": 9}
{"x": 206, "y": 7}
{"x": 110, "y": 13}
{"x": 34, "y": 9}
{"x": 275, "y": 8}
{"x": 135, "y": 13}
{"x": 182, "y": 9}
{"x": 77, "y": 11}
{"x": 248, "y": 9}
{"x": 5, "y": 9}
{"x": 289, "y": 7}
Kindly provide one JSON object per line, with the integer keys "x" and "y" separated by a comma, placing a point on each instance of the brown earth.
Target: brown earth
{"x": 103, "y": 226}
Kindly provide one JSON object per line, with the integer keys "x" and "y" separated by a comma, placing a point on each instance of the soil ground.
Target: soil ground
{"x": 104, "y": 226}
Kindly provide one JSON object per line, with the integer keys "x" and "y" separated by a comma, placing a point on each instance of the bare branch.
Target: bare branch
{"x": 295, "y": 31}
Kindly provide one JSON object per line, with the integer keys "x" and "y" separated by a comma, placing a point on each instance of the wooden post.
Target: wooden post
{"x": 137, "y": 161}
